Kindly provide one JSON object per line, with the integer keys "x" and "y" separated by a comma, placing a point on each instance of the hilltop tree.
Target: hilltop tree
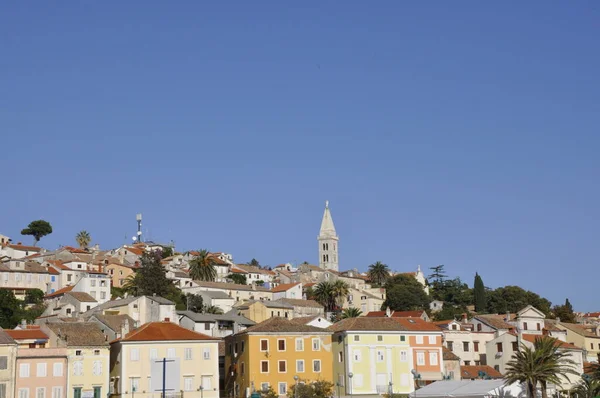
{"x": 254, "y": 262}
{"x": 194, "y": 302}
{"x": 202, "y": 267}
{"x": 240, "y": 279}
{"x": 151, "y": 278}
{"x": 378, "y": 273}
{"x": 38, "y": 229}
{"x": 479, "y": 294}
{"x": 83, "y": 239}
{"x": 513, "y": 299}
{"x": 564, "y": 312}
{"x": 166, "y": 251}
{"x": 405, "y": 293}
{"x": 438, "y": 274}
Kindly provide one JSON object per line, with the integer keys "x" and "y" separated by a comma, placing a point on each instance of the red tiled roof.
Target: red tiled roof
{"x": 417, "y": 324}
{"x": 135, "y": 250}
{"x": 64, "y": 290}
{"x": 397, "y": 314}
{"x": 71, "y": 249}
{"x": 472, "y": 372}
{"x": 28, "y": 334}
{"x": 591, "y": 315}
{"x": 59, "y": 264}
{"x": 238, "y": 271}
{"x": 164, "y": 331}
{"x": 53, "y": 271}
{"x": 532, "y": 337}
{"x": 25, "y": 248}
{"x": 284, "y": 287}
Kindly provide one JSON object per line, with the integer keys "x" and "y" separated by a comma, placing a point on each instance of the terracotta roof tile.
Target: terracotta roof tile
{"x": 82, "y": 297}
{"x": 284, "y": 287}
{"x": 164, "y": 331}
{"x": 135, "y": 250}
{"x": 79, "y": 334}
{"x": 282, "y": 325}
{"x": 417, "y": 324}
{"x": 472, "y": 372}
{"x": 495, "y": 321}
{"x": 25, "y": 248}
{"x": 449, "y": 355}
{"x": 59, "y": 292}
{"x": 28, "y": 334}
{"x": 367, "y": 324}
{"x": 532, "y": 337}
{"x": 579, "y": 329}
{"x": 397, "y": 314}
{"x": 301, "y": 303}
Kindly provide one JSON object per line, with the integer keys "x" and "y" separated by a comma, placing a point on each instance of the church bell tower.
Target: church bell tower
{"x": 328, "y": 242}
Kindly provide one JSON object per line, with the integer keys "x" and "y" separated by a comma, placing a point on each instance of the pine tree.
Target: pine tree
{"x": 479, "y": 294}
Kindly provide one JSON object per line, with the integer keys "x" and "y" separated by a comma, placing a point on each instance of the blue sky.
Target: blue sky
{"x": 464, "y": 134}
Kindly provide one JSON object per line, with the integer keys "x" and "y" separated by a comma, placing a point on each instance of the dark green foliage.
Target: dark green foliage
{"x": 450, "y": 312}
{"x": 513, "y": 299}
{"x": 166, "y": 251}
{"x": 479, "y": 295}
{"x": 240, "y": 279}
{"x": 194, "y": 303}
{"x": 315, "y": 389}
{"x": 34, "y": 296}
{"x": 254, "y": 262}
{"x": 259, "y": 282}
{"x": 202, "y": 267}
{"x": 152, "y": 276}
{"x": 405, "y": 293}
{"x": 12, "y": 310}
{"x": 38, "y": 229}
{"x": 564, "y": 312}
{"x": 268, "y": 393}
{"x": 378, "y": 273}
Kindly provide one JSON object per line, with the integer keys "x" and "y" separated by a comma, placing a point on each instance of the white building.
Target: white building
{"x": 328, "y": 242}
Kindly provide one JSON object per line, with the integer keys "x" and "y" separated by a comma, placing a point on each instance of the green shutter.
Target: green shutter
{"x": 97, "y": 392}
{"x": 77, "y": 392}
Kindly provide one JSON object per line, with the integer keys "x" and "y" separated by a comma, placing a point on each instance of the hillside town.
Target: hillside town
{"x": 144, "y": 320}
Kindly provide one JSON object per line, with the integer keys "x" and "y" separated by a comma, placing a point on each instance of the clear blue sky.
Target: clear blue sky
{"x": 464, "y": 134}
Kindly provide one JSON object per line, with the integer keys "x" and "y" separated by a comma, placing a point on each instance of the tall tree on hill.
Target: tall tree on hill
{"x": 405, "y": 293}
{"x": 378, "y": 273}
{"x": 479, "y": 294}
{"x": 254, "y": 262}
{"x": 38, "y": 229}
{"x": 83, "y": 239}
{"x": 438, "y": 274}
{"x": 340, "y": 292}
{"x": 323, "y": 293}
{"x": 513, "y": 299}
{"x": 564, "y": 312}
{"x": 151, "y": 278}
{"x": 202, "y": 267}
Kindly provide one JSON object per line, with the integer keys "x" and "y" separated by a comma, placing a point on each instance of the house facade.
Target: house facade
{"x": 41, "y": 372}
{"x": 8, "y": 354}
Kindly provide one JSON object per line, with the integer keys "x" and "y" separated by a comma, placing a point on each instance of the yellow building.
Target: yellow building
{"x": 118, "y": 272}
{"x": 581, "y": 337}
{"x": 88, "y": 357}
{"x": 191, "y": 362}
{"x": 8, "y": 354}
{"x": 272, "y": 353}
{"x": 259, "y": 311}
{"x": 375, "y": 351}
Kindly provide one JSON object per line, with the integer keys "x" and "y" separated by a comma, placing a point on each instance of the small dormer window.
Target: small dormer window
{"x": 78, "y": 353}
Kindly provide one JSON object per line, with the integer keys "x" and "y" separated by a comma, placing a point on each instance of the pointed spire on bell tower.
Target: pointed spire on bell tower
{"x": 328, "y": 242}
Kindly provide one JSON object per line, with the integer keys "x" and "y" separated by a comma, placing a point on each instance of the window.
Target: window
{"x": 78, "y": 368}
{"x": 282, "y": 366}
{"x": 93, "y": 283}
{"x": 356, "y": 337}
{"x": 454, "y": 327}
{"x": 299, "y": 344}
{"x": 379, "y": 337}
{"x": 102, "y": 295}
{"x": 591, "y": 345}
{"x": 300, "y": 366}
{"x": 420, "y": 358}
{"x": 24, "y": 393}
{"x": 135, "y": 354}
{"x": 467, "y": 363}
{"x": 403, "y": 355}
{"x": 207, "y": 326}
{"x": 282, "y": 387}
{"x": 317, "y": 366}
{"x": 78, "y": 353}
{"x": 57, "y": 369}
{"x": 153, "y": 353}
{"x": 476, "y": 346}
{"x": 432, "y": 339}
{"x": 24, "y": 370}
{"x": 206, "y": 382}
{"x": 135, "y": 384}
{"x": 264, "y": 386}
{"x": 188, "y": 384}
{"x": 477, "y": 363}
{"x": 97, "y": 392}
{"x": 57, "y": 392}
{"x": 479, "y": 327}
{"x": 187, "y": 354}
{"x": 242, "y": 368}
{"x": 340, "y": 356}
{"x": 96, "y": 352}
{"x": 380, "y": 356}
{"x": 206, "y": 353}
{"x": 264, "y": 366}
{"x": 40, "y": 392}
{"x": 465, "y": 346}
{"x": 97, "y": 368}
{"x": 69, "y": 277}
{"x": 281, "y": 345}
{"x": 243, "y": 345}
{"x": 515, "y": 346}
{"x": 402, "y": 338}
{"x": 433, "y": 358}
{"x": 41, "y": 370}
{"x": 450, "y": 345}
{"x": 524, "y": 325}
{"x": 316, "y": 344}
{"x": 539, "y": 327}
{"x": 4, "y": 362}
{"x": 499, "y": 347}
{"x": 264, "y": 345}
{"x": 170, "y": 352}
{"x": 419, "y": 339}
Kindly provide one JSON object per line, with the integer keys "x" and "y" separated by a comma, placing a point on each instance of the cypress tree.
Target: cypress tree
{"x": 479, "y": 294}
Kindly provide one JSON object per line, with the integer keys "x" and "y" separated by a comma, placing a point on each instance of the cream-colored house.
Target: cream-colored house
{"x": 579, "y": 336}
{"x": 88, "y": 357}
{"x": 236, "y": 291}
{"x": 191, "y": 362}
{"x": 259, "y": 311}
{"x": 8, "y": 353}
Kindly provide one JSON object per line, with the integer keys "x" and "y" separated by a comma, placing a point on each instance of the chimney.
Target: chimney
{"x": 507, "y": 317}
{"x": 124, "y": 328}
{"x": 100, "y": 266}
{"x": 557, "y": 320}
{"x": 167, "y": 319}
{"x": 464, "y": 317}
{"x": 23, "y": 324}
{"x": 122, "y": 255}
{"x": 388, "y": 312}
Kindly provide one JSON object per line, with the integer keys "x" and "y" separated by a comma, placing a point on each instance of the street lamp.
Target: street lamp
{"x": 296, "y": 386}
{"x": 350, "y": 375}
{"x": 201, "y": 391}
{"x": 338, "y": 385}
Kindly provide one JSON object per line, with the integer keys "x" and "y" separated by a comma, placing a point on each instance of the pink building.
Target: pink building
{"x": 41, "y": 373}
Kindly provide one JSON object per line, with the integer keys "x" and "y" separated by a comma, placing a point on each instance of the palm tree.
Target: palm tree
{"x": 543, "y": 363}
{"x": 323, "y": 293}
{"x": 587, "y": 388}
{"x": 351, "y": 313}
{"x": 379, "y": 273}
{"x": 202, "y": 267}
{"x": 131, "y": 285}
{"x": 212, "y": 309}
{"x": 83, "y": 239}
{"x": 340, "y": 292}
